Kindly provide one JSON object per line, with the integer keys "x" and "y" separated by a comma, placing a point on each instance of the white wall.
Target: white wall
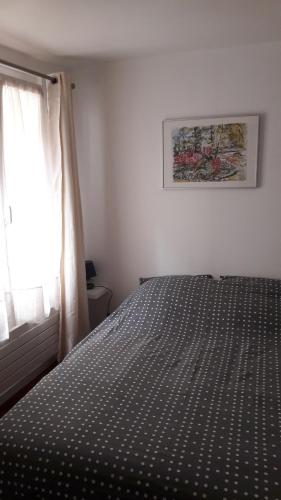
{"x": 89, "y": 108}
{"x": 22, "y": 59}
{"x": 135, "y": 228}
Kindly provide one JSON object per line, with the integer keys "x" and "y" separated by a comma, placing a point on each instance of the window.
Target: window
{"x": 29, "y": 242}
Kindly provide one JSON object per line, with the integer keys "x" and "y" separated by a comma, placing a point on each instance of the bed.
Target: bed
{"x": 174, "y": 396}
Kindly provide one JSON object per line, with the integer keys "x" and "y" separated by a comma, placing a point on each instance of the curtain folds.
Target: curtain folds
{"x": 29, "y": 236}
{"x": 42, "y": 265}
{"x": 74, "y": 319}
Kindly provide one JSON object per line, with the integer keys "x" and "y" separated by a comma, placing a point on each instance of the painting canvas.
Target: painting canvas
{"x": 210, "y": 152}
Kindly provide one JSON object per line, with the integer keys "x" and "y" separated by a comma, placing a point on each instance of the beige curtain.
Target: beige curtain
{"x": 74, "y": 319}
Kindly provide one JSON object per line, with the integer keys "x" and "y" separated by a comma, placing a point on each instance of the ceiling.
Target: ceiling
{"x": 91, "y": 29}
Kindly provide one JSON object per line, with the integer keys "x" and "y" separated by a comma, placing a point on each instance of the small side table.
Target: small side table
{"x": 98, "y": 304}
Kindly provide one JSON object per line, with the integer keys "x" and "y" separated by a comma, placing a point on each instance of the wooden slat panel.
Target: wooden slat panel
{"x": 27, "y": 347}
{"x": 10, "y": 366}
{"x": 19, "y": 330}
{"x": 10, "y": 346}
{"x": 11, "y": 391}
{"x": 28, "y": 367}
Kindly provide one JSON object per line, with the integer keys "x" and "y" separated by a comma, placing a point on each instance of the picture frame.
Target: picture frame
{"x": 211, "y": 152}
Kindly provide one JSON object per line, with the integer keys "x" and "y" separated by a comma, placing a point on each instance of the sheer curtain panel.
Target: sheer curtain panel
{"x": 41, "y": 238}
{"x": 30, "y": 242}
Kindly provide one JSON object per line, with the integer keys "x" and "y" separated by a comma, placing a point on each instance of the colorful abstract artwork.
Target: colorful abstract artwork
{"x": 219, "y": 152}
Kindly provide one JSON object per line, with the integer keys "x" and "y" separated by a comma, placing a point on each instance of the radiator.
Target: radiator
{"x": 26, "y": 354}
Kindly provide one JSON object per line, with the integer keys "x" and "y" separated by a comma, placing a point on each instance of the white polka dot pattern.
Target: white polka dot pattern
{"x": 175, "y": 396}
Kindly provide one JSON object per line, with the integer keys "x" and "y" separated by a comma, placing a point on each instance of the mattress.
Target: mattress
{"x": 175, "y": 396}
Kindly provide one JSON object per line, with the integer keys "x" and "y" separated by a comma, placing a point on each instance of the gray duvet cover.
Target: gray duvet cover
{"x": 175, "y": 396}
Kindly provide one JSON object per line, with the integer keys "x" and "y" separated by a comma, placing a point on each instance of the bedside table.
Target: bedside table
{"x": 98, "y": 304}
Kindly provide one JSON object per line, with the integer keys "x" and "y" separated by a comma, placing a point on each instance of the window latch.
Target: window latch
{"x": 8, "y": 216}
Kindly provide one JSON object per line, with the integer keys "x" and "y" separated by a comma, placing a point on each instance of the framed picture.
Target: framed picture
{"x": 210, "y": 152}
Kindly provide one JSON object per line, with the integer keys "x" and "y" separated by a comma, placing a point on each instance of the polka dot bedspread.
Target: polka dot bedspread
{"x": 175, "y": 396}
